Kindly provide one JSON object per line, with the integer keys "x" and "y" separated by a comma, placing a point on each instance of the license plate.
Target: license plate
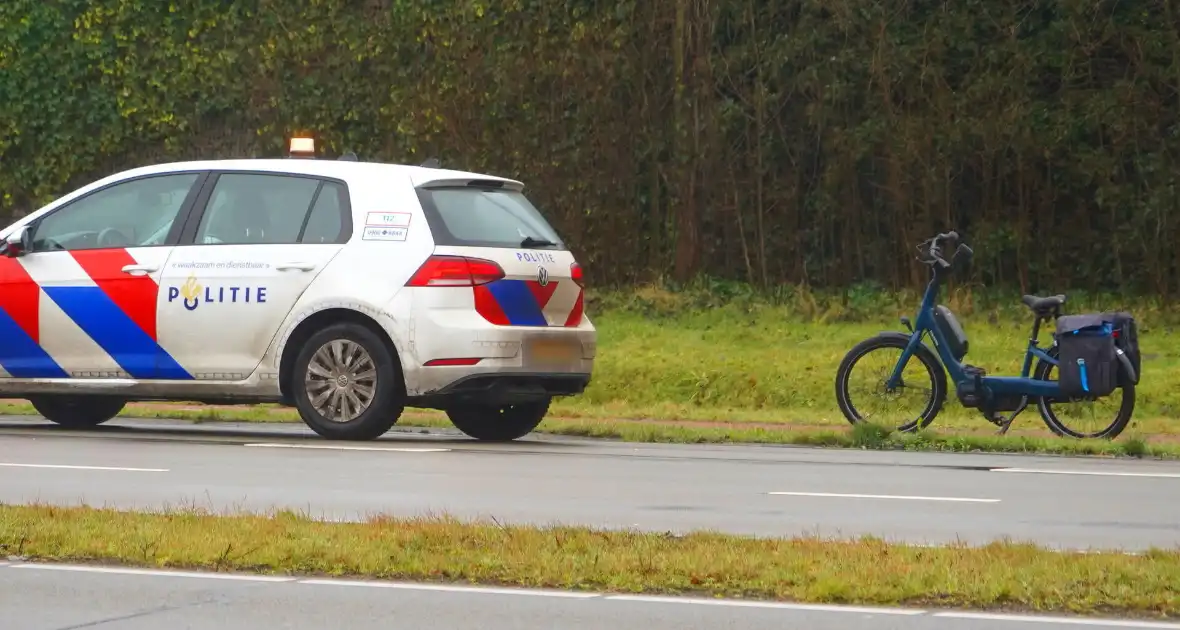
{"x": 553, "y": 351}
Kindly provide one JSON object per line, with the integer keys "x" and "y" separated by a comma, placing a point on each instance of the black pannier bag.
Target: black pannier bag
{"x": 1087, "y": 363}
{"x": 1126, "y": 338}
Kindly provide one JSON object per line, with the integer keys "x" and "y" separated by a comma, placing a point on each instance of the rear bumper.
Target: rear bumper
{"x": 503, "y": 388}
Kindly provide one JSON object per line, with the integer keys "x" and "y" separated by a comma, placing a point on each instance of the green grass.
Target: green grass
{"x": 1002, "y": 575}
{"x": 726, "y": 364}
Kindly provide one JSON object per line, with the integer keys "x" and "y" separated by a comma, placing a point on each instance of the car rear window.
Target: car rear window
{"x": 486, "y": 217}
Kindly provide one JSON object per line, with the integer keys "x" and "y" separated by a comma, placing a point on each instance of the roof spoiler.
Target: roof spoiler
{"x": 465, "y": 182}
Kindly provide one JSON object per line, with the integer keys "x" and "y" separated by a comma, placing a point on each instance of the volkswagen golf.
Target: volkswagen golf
{"x": 349, "y": 290}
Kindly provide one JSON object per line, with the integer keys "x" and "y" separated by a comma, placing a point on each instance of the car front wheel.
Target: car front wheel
{"x": 77, "y": 411}
{"x": 498, "y": 424}
{"x": 347, "y": 384}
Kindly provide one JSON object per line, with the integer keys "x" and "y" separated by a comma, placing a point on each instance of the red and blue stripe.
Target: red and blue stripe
{"x": 520, "y": 305}
{"x": 521, "y": 302}
{"x": 21, "y": 354}
{"x": 118, "y": 312}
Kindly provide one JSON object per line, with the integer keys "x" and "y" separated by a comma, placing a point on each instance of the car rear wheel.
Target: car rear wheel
{"x": 499, "y": 424}
{"x": 347, "y": 384}
{"x": 77, "y": 411}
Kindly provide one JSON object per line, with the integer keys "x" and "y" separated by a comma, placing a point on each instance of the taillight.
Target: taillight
{"x": 576, "y": 274}
{"x": 455, "y": 271}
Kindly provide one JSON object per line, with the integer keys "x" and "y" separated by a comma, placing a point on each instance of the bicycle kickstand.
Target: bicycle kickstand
{"x": 1006, "y": 423}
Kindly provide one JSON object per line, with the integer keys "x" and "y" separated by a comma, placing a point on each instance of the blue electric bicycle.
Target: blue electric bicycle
{"x": 1089, "y": 372}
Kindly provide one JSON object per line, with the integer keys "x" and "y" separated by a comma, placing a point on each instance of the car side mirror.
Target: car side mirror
{"x": 18, "y": 243}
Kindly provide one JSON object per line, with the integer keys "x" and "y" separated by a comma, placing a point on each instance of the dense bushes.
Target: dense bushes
{"x": 801, "y": 141}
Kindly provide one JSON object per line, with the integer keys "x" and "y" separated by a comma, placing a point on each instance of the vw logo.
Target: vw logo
{"x": 542, "y": 276}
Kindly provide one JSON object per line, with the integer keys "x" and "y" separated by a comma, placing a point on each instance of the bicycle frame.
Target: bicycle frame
{"x": 1019, "y": 385}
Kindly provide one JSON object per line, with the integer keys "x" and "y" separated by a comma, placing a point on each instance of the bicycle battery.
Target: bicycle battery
{"x": 952, "y": 332}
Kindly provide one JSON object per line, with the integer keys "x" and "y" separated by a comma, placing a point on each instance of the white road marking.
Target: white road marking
{"x": 1074, "y": 621}
{"x": 70, "y": 467}
{"x": 331, "y": 447}
{"x": 1095, "y": 473}
{"x": 650, "y": 599}
{"x": 447, "y": 588}
{"x": 154, "y": 572}
{"x": 884, "y": 496}
{"x": 739, "y": 603}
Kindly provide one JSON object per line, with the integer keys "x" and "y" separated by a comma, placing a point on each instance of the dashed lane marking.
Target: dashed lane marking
{"x": 333, "y": 447}
{"x": 884, "y": 496}
{"x": 75, "y": 467}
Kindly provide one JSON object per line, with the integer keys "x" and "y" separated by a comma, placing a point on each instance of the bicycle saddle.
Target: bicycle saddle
{"x": 1043, "y": 304}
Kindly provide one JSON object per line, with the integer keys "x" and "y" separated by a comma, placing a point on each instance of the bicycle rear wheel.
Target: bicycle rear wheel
{"x": 1106, "y": 417}
{"x": 863, "y": 397}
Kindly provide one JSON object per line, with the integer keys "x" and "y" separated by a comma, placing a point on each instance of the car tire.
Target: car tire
{"x": 499, "y": 424}
{"x": 77, "y": 411}
{"x": 326, "y": 416}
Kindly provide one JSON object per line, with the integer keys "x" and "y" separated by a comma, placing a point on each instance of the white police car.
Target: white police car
{"x": 347, "y": 289}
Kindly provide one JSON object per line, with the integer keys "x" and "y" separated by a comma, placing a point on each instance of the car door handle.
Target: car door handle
{"x": 297, "y": 266}
{"x": 139, "y": 270}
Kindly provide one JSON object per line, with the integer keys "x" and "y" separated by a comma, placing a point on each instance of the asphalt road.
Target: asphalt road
{"x": 917, "y": 497}
{"x": 71, "y": 598}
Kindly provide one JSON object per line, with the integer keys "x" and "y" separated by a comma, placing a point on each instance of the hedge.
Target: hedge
{"x": 796, "y": 141}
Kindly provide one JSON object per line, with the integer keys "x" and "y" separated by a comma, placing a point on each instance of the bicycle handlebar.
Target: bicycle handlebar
{"x": 932, "y": 250}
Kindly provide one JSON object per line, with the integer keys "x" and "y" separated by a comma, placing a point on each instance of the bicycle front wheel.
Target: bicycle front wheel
{"x": 1105, "y": 417}
{"x": 861, "y": 379}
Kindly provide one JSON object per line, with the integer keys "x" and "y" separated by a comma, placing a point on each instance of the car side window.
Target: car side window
{"x": 136, "y": 213}
{"x": 326, "y": 222}
{"x": 247, "y": 208}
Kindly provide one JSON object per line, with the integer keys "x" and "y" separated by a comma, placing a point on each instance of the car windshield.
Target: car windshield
{"x": 487, "y": 217}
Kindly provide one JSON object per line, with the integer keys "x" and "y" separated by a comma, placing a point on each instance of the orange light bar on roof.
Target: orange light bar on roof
{"x": 304, "y": 147}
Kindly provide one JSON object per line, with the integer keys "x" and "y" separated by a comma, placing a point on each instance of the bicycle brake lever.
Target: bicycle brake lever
{"x": 964, "y": 252}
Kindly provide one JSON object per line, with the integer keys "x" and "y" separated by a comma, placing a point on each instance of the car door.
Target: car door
{"x": 82, "y": 301}
{"x": 255, "y": 243}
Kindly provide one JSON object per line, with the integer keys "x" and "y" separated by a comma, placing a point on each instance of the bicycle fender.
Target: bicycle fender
{"x": 896, "y": 334}
{"x": 1126, "y": 363}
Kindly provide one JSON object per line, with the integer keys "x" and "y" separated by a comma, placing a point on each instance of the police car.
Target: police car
{"x": 347, "y": 289}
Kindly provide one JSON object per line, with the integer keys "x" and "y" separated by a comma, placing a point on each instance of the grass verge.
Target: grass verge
{"x": 868, "y": 572}
{"x": 720, "y": 363}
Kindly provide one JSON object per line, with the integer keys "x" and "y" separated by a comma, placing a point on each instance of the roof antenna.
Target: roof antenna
{"x": 349, "y": 156}
{"x": 430, "y": 163}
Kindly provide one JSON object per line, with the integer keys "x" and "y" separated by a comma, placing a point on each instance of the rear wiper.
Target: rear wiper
{"x": 536, "y": 242}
